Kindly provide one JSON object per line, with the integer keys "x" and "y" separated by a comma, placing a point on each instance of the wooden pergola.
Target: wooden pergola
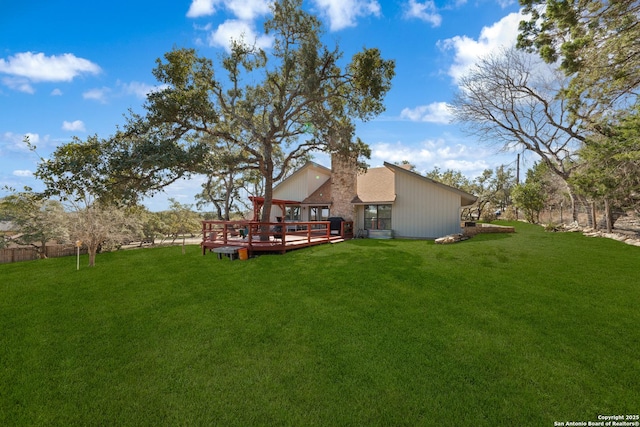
{"x": 258, "y": 203}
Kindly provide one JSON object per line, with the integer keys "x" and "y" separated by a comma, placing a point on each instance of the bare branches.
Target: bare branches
{"x": 510, "y": 100}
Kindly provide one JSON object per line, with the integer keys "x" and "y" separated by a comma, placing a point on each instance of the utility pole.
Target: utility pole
{"x": 517, "y": 179}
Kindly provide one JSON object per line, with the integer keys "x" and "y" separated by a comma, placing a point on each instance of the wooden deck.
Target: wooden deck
{"x": 278, "y": 237}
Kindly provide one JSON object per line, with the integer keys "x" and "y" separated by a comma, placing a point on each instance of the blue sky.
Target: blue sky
{"x": 75, "y": 68}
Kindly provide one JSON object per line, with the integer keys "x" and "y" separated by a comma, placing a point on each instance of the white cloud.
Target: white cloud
{"x": 202, "y": 8}
{"x": 437, "y": 112}
{"x": 37, "y": 67}
{"x": 467, "y": 51}
{"x": 10, "y": 141}
{"x": 23, "y": 173}
{"x": 15, "y": 142}
{"x": 18, "y": 83}
{"x": 76, "y": 125}
{"x": 343, "y": 13}
{"x": 506, "y": 3}
{"x": 138, "y": 89}
{"x": 243, "y": 9}
{"x": 446, "y": 153}
{"x": 470, "y": 168}
{"x": 56, "y": 92}
{"x": 397, "y": 152}
{"x": 237, "y": 30}
{"x": 426, "y": 11}
{"x": 34, "y": 138}
{"x": 98, "y": 94}
{"x": 248, "y": 9}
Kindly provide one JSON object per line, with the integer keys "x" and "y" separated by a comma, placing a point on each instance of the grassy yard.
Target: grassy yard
{"x": 501, "y": 330}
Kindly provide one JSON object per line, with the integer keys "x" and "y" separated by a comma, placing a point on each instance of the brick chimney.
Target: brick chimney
{"x": 344, "y": 178}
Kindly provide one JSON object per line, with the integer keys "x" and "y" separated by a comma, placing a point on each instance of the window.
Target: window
{"x": 377, "y": 217}
{"x": 292, "y": 213}
{"x": 318, "y": 213}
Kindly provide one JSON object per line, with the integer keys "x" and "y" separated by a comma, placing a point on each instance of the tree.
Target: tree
{"x": 530, "y": 196}
{"x": 491, "y": 188}
{"x": 39, "y": 220}
{"x": 450, "y": 177}
{"x": 222, "y": 188}
{"x": 407, "y": 165}
{"x": 273, "y": 108}
{"x": 503, "y": 182}
{"x": 95, "y": 225}
{"x": 77, "y": 173}
{"x": 609, "y": 168}
{"x": 116, "y": 170}
{"x": 514, "y": 101}
{"x": 596, "y": 43}
{"x": 181, "y": 220}
{"x": 152, "y": 226}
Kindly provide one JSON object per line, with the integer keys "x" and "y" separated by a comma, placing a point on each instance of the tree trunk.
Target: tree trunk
{"x": 42, "y": 250}
{"x": 267, "y": 172}
{"x": 92, "y": 249}
{"x": 574, "y": 206}
{"x": 607, "y": 215}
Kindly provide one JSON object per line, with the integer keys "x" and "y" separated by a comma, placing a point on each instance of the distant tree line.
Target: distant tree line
{"x": 37, "y": 221}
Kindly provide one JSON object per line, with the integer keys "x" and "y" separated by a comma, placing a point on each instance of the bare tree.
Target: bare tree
{"x": 96, "y": 224}
{"x": 514, "y": 100}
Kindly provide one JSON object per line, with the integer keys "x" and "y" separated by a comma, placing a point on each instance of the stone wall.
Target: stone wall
{"x": 486, "y": 228}
{"x": 343, "y": 186}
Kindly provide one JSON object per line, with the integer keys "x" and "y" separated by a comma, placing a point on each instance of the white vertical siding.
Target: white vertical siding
{"x": 423, "y": 209}
{"x": 300, "y": 185}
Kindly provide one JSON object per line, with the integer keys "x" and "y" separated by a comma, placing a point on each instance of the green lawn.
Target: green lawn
{"x": 501, "y": 330}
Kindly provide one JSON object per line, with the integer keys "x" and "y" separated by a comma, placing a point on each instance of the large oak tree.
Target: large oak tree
{"x": 273, "y": 107}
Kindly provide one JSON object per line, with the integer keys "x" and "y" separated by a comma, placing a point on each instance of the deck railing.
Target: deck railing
{"x": 270, "y": 235}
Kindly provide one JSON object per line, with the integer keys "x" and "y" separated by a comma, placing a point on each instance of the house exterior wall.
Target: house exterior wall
{"x": 299, "y": 186}
{"x": 423, "y": 209}
{"x": 420, "y": 208}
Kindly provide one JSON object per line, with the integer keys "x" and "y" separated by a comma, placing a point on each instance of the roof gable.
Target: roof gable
{"x": 322, "y": 196}
{"x": 376, "y": 186}
{"x": 302, "y": 183}
{"x": 301, "y": 171}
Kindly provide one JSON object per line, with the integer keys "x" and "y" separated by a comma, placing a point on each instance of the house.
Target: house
{"x": 388, "y": 201}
